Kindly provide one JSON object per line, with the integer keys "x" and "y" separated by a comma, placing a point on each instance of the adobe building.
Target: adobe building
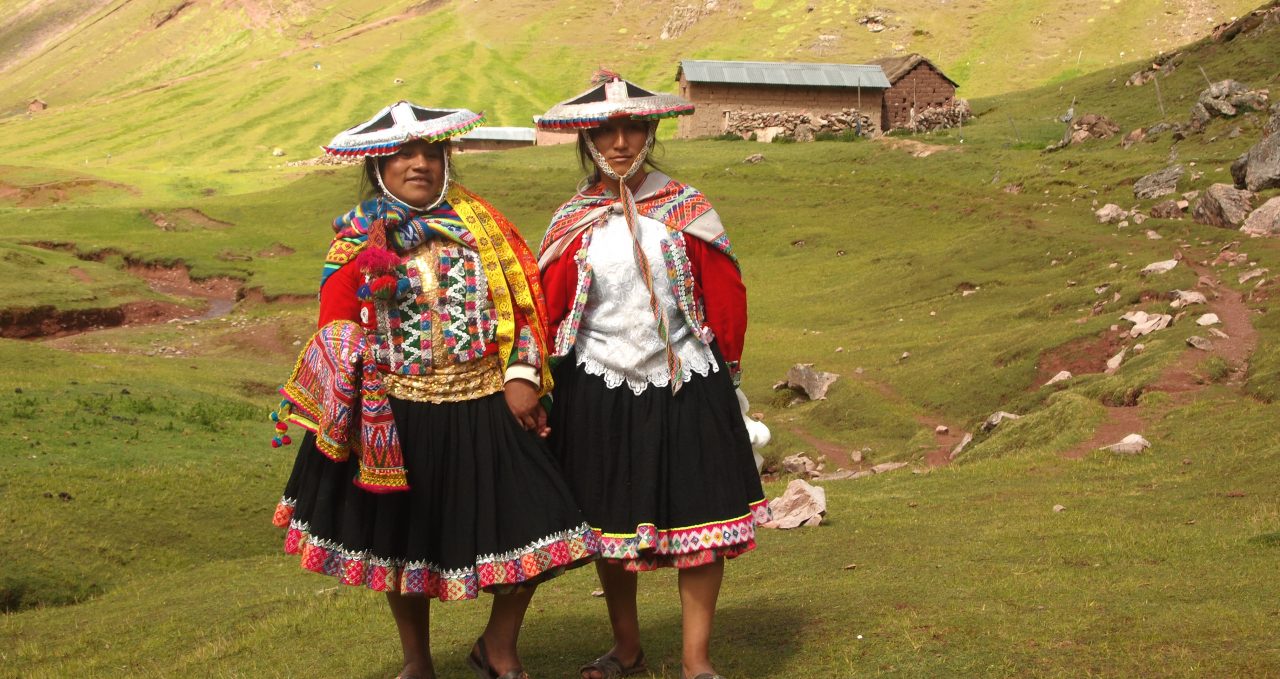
{"x": 718, "y": 88}
{"x": 916, "y": 84}
{"x": 36, "y": 105}
{"x": 494, "y": 139}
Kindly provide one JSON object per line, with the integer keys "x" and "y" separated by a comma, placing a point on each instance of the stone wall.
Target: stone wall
{"x": 715, "y": 100}
{"x": 922, "y": 87}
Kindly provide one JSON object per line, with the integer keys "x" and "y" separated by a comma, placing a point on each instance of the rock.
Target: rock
{"x": 1123, "y": 223}
{"x": 1167, "y": 210}
{"x": 941, "y": 429}
{"x": 1139, "y": 348}
{"x": 856, "y": 455}
{"x": 1152, "y": 235}
{"x": 1207, "y": 320}
{"x": 1219, "y": 334}
{"x": 277, "y": 152}
{"x": 800, "y": 505}
{"x": 1183, "y": 205}
{"x": 1265, "y": 221}
{"x": 1129, "y": 445}
{"x": 1059, "y": 508}
{"x": 1250, "y": 275}
{"x": 1200, "y": 343}
{"x": 887, "y": 467}
{"x": 1258, "y": 168}
{"x": 1224, "y": 206}
{"x": 753, "y": 158}
{"x": 1138, "y": 218}
{"x": 800, "y": 464}
{"x": 803, "y": 133}
{"x": 812, "y": 383}
{"x": 1113, "y": 363}
{"x": 1133, "y": 138}
{"x": 1158, "y": 184}
{"x": 1163, "y": 266}
{"x": 1145, "y": 324}
{"x": 959, "y": 447}
{"x": 1273, "y": 124}
{"x": 1062, "y": 376}
{"x": 1110, "y": 213}
{"x": 1183, "y": 298}
{"x": 996, "y": 418}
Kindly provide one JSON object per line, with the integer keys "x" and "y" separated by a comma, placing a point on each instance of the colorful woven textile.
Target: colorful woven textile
{"x": 336, "y": 391}
{"x": 510, "y": 268}
{"x": 680, "y": 206}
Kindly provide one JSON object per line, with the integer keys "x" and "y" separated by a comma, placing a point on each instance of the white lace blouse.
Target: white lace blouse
{"x": 618, "y": 338}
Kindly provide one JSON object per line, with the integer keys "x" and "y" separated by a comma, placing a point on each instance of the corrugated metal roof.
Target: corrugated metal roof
{"x": 780, "y": 73}
{"x": 501, "y": 134}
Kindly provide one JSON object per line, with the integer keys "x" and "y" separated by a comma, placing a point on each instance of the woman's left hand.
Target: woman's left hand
{"x": 522, "y": 399}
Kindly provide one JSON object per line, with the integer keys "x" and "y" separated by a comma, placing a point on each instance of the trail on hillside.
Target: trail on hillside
{"x": 1183, "y": 379}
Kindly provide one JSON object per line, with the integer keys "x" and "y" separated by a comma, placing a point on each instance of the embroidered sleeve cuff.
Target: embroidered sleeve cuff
{"x": 735, "y": 372}
{"x": 522, "y": 371}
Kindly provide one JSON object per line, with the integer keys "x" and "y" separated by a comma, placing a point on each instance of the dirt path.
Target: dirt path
{"x": 918, "y": 149}
{"x": 1182, "y": 380}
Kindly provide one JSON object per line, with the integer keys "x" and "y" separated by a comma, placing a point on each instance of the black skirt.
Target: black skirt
{"x": 664, "y": 480}
{"x": 486, "y": 508}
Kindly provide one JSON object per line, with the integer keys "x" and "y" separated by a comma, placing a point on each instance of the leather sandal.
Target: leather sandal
{"x": 610, "y": 667}
{"x": 478, "y": 661}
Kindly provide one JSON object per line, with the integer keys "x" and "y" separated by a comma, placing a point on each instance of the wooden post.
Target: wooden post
{"x": 1159, "y": 99}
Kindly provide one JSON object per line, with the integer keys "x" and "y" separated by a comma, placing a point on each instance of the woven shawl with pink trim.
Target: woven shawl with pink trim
{"x": 680, "y": 206}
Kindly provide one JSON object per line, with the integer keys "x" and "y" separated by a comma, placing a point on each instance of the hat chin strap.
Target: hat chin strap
{"x": 603, "y": 164}
{"x": 444, "y": 188}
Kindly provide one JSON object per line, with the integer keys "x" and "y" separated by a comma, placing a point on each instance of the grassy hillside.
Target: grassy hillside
{"x": 137, "y": 489}
{"x": 204, "y": 88}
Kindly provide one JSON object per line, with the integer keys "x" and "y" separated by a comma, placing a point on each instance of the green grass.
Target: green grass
{"x": 160, "y": 560}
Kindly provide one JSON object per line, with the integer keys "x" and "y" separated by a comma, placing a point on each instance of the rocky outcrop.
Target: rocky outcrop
{"x": 1265, "y": 221}
{"x": 1225, "y": 99}
{"x": 1259, "y": 168}
{"x": 1223, "y": 206}
{"x": 1158, "y": 184}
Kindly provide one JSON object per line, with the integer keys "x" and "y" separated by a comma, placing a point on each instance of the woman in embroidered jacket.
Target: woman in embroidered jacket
{"x": 648, "y": 311}
{"x": 425, "y": 474}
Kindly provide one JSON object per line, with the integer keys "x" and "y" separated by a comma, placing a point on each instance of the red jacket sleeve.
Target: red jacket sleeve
{"x": 559, "y": 284}
{"x": 338, "y": 301}
{"x": 718, "y": 283}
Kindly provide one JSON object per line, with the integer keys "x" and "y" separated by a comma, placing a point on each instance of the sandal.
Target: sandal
{"x": 610, "y": 667}
{"x": 478, "y": 661}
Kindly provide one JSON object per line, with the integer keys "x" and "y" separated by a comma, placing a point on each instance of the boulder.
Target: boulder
{"x": 959, "y": 447}
{"x": 1110, "y": 214}
{"x": 996, "y": 418}
{"x": 1145, "y": 324}
{"x": 1167, "y": 210}
{"x": 1062, "y": 376}
{"x": 1208, "y": 320}
{"x": 1129, "y": 445}
{"x": 1113, "y": 363}
{"x": 1223, "y": 205}
{"x": 887, "y": 467}
{"x": 753, "y": 158}
{"x": 812, "y": 383}
{"x": 1273, "y": 125}
{"x": 1163, "y": 266}
{"x": 1265, "y": 221}
{"x": 1183, "y": 298}
{"x": 1133, "y": 137}
{"x": 1250, "y": 275}
{"x": 801, "y": 504}
{"x": 800, "y": 464}
{"x": 1200, "y": 343}
{"x": 1259, "y": 168}
{"x": 1158, "y": 184}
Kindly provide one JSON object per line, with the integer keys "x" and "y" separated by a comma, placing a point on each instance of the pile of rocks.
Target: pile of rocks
{"x": 1264, "y": 16}
{"x": 324, "y": 160}
{"x": 1163, "y": 65}
{"x": 1225, "y": 99}
{"x": 942, "y": 116}
{"x": 1085, "y": 127}
{"x": 767, "y": 125}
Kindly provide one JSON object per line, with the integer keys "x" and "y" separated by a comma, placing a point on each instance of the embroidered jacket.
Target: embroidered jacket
{"x": 442, "y": 313}
{"x": 700, "y": 267}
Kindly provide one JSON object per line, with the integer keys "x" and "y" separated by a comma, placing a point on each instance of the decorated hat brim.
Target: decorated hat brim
{"x": 398, "y": 124}
{"x": 592, "y": 108}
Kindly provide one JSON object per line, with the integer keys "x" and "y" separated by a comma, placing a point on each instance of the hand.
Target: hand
{"x": 522, "y": 400}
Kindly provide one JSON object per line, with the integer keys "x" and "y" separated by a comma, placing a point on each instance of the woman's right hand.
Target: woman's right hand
{"x": 522, "y": 400}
